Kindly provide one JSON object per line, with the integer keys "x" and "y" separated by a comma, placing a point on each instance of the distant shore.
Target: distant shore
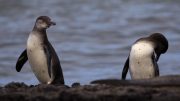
{"x": 159, "y": 89}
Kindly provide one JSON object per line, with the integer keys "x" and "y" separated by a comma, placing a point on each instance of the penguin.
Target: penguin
{"x": 144, "y": 55}
{"x": 41, "y": 55}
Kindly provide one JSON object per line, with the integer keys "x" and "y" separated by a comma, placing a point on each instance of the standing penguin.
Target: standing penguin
{"x": 144, "y": 55}
{"x": 41, "y": 55}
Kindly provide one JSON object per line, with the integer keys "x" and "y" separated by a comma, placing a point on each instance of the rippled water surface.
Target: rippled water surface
{"x": 92, "y": 37}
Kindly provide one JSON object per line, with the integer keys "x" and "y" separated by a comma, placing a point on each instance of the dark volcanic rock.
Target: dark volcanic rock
{"x": 121, "y": 91}
{"x": 169, "y": 80}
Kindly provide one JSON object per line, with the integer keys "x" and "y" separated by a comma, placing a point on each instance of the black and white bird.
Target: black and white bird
{"x": 41, "y": 55}
{"x": 144, "y": 55}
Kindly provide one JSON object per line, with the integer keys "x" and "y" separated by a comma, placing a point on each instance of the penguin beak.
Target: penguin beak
{"x": 52, "y": 23}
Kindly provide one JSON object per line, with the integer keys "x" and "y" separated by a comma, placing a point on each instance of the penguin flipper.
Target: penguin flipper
{"x": 49, "y": 57}
{"x": 125, "y": 69}
{"x": 21, "y": 60}
{"x": 155, "y": 59}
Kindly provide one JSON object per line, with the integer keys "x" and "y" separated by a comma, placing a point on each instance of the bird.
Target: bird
{"x": 41, "y": 55}
{"x": 144, "y": 55}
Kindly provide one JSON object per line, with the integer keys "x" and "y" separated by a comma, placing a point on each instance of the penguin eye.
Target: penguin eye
{"x": 40, "y": 21}
{"x": 41, "y": 24}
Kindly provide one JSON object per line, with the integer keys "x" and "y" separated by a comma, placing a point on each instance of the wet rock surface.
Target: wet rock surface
{"x": 98, "y": 91}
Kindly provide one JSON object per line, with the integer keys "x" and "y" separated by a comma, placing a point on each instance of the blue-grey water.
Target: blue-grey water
{"x": 92, "y": 37}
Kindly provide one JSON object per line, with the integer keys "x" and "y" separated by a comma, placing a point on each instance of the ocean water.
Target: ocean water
{"x": 92, "y": 37}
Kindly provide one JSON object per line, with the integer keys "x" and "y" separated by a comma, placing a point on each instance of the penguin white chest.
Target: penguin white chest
{"x": 140, "y": 61}
{"x": 37, "y": 58}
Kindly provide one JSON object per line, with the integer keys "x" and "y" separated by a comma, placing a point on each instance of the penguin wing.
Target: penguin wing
{"x": 125, "y": 69}
{"x": 154, "y": 60}
{"x": 157, "y": 56}
{"x": 21, "y": 60}
{"x": 48, "y": 57}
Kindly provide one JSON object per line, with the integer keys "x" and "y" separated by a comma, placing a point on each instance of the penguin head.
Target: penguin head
{"x": 160, "y": 42}
{"x": 43, "y": 22}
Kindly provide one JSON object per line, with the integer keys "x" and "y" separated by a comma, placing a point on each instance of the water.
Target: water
{"x": 92, "y": 37}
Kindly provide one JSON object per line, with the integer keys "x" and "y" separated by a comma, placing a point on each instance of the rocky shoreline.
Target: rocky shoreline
{"x": 159, "y": 89}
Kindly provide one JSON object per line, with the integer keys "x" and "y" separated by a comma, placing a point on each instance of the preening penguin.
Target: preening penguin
{"x": 41, "y": 55}
{"x": 144, "y": 55}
